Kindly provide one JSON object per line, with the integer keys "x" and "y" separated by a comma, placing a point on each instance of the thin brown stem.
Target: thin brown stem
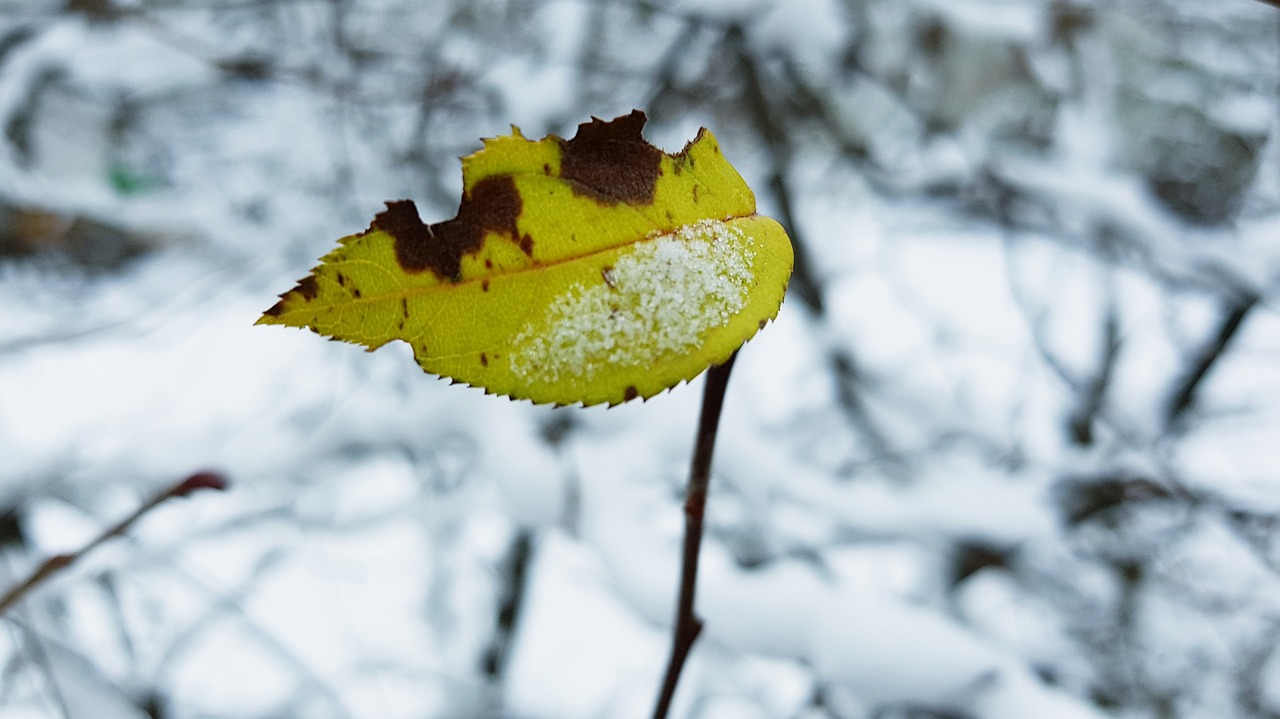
{"x": 688, "y": 626}
{"x": 56, "y": 563}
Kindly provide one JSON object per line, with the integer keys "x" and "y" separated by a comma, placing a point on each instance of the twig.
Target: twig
{"x": 58, "y": 562}
{"x": 1094, "y": 393}
{"x": 666, "y": 82}
{"x": 1184, "y": 395}
{"x": 517, "y": 570}
{"x": 688, "y": 625}
{"x": 850, "y": 386}
{"x": 804, "y": 281}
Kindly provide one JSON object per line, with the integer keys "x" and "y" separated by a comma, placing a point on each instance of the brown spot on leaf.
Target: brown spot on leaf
{"x": 526, "y": 245}
{"x": 607, "y": 273}
{"x": 763, "y": 323}
{"x": 308, "y": 287}
{"x": 356, "y": 293}
{"x": 275, "y": 310}
{"x": 404, "y": 307}
{"x": 493, "y": 205}
{"x": 682, "y": 160}
{"x": 342, "y": 279}
{"x": 484, "y": 360}
{"x": 630, "y": 393}
{"x": 484, "y": 285}
{"x": 610, "y": 162}
{"x": 546, "y": 169}
{"x": 695, "y": 193}
{"x": 488, "y": 263}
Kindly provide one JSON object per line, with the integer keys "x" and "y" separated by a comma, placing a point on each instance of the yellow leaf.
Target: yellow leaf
{"x": 595, "y": 269}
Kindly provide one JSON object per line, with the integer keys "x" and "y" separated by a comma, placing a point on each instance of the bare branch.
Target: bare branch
{"x": 59, "y": 562}
{"x": 1183, "y": 396}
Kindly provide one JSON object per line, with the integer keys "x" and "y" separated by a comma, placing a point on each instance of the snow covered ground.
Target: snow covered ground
{"x": 1009, "y": 450}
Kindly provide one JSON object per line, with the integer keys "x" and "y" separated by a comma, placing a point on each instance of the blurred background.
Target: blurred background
{"x": 1010, "y": 449}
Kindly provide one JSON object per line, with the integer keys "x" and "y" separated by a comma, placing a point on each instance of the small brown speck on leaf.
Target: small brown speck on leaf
{"x": 630, "y": 393}
{"x": 682, "y": 161}
{"x": 356, "y": 293}
{"x": 526, "y": 245}
{"x": 404, "y": 307}
{"x": 484, "y": 360}
{"x": 610, "y": 161}
{"x": 763, "y": 323}
{"x": 484, "y": 285}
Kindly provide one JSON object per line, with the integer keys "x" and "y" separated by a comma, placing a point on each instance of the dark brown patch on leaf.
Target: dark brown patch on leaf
{"x": 526, "y": 245}
{"x": 695, "y": 193}
{"x": 763, "y": 323}
{"x": 276, "y": 310}
{"x": 630, "y": 393}
{"x": 493, "y": 205}
{"x": 484, "y": 285}
{"x": 342, "y": 279}
{"x": 404, "y": 307}
{"x": 356, "y": 293}
{"x": 308, "y": 287}
{"x": 488, "y": 263}
{"x": 546, "y": 169}
{"x": 610, "y": 162}
{"x": 484, "y": 360}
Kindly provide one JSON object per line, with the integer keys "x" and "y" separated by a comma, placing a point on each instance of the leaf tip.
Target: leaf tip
{"x": 307, "y": 289}
{"x": 270, "y": 317}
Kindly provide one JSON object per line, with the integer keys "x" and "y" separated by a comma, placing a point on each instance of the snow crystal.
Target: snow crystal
{"x": 656, "y": 301}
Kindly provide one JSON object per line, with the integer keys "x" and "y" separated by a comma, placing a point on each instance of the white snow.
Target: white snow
{"x": 656, "y": 301}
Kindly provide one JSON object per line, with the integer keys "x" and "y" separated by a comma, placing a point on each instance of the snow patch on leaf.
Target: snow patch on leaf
{"x": 657, "y": 300}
